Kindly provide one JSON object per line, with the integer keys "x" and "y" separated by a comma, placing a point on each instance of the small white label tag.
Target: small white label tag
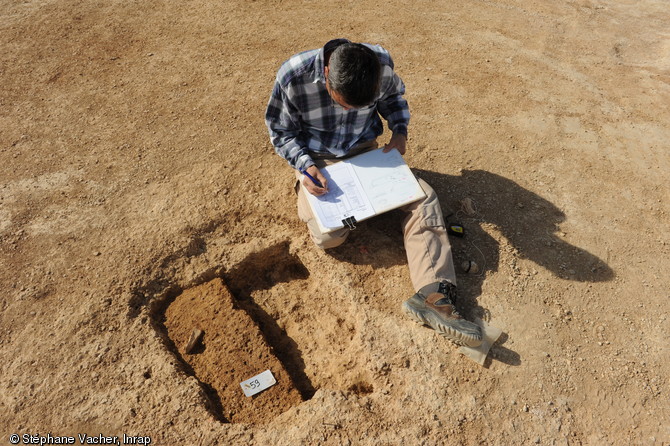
{"x": 258, "y": 383}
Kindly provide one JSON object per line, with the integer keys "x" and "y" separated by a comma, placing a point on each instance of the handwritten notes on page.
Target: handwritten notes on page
{"x": 364, "y": 186}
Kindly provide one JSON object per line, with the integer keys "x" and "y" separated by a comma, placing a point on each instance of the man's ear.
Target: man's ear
{"x": 326, "y": 70}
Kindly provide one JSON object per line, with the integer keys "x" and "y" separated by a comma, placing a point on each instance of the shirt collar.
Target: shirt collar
{"x": 320, "y": 62}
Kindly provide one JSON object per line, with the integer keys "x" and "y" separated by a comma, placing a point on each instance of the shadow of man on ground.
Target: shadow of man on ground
{"x": 529, "y": 222}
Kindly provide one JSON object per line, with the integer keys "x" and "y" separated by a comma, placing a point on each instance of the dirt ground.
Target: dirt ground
{"x": 135, "y": 164}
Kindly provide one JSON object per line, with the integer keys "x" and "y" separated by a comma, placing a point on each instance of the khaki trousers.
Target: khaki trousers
{"x": 426, "y": 243}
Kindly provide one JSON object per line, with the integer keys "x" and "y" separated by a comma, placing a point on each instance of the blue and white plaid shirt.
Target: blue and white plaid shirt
{"x": 303, "y": 118}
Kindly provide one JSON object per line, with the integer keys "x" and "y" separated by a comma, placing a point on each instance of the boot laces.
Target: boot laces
{"x": 448, "y": 290}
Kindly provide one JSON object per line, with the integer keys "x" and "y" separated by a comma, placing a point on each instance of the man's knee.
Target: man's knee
{"x": 331, "y": 239}
{"x": 431, "y": 199}
{"x": 431, "y": 196}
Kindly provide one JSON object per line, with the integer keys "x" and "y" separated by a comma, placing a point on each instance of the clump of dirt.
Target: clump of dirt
{"x": 232, "y": 350}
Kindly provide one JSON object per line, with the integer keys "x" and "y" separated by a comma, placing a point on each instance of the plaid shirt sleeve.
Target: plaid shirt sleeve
{"x": 282, "y": 119}
{"x": 392, "y": 106}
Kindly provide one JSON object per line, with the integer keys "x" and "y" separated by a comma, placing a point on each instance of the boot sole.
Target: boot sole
{"x": 416, "y": 310}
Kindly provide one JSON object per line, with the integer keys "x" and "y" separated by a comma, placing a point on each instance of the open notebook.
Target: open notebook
{"x": 364, "y": 186}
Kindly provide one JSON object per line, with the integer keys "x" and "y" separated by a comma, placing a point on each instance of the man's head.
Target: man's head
{"x": 352, "y": 75}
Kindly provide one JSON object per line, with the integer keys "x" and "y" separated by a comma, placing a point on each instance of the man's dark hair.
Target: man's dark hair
{"x": 354, "y": 72}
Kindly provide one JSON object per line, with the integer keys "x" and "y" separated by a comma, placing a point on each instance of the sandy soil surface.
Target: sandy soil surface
{"x": 136, "y": 165}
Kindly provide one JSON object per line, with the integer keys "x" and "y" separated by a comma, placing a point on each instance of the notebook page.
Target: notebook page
{"x": 386, "y": 179}
{"x": 345, "y": 197}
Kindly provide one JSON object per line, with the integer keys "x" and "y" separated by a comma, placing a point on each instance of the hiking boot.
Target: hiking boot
{"x": 434, "y": 306}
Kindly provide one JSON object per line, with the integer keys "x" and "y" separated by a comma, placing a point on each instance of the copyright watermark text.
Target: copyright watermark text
{"x": 99, "y": 439}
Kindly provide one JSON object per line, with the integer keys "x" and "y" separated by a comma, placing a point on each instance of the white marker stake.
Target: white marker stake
{"x": 258, "y": 383}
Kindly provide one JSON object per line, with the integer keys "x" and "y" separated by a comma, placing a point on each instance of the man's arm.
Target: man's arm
{"x": 283, "y": 122}
{"x": 394, "y": 108}
{"x": 282, "y": 119}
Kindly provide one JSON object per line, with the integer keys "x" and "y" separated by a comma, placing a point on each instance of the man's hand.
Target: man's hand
{"x": 309, "y": 184}
{"x": 398, "y": 141}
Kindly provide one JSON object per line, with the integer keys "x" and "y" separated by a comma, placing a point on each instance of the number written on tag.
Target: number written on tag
{"x": 258, "y": 383}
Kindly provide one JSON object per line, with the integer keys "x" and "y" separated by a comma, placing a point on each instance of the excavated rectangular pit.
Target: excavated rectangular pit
{"x": 232, "y": 349}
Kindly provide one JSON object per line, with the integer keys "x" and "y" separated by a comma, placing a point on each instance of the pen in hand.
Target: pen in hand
{"x": 314, "y": 180}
